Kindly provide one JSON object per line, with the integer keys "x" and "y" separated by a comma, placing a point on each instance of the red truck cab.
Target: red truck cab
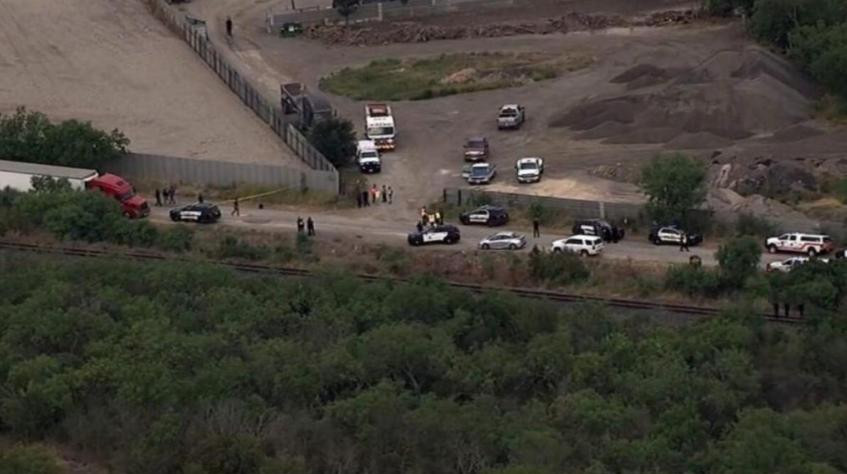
{"x": 132, "y": 205}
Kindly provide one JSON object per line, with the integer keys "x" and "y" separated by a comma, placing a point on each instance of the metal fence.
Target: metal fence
{"x": 582, "y": 209}
{"x": 577, "y": 208}
{"x": 169, "y": 169}
{"x": 270, "y": 111}
{"x": 394, "y": 10}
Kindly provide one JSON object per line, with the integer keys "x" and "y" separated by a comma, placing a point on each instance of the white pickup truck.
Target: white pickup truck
{"x": 529, "y": 170}
{"x": 511, "y": 116}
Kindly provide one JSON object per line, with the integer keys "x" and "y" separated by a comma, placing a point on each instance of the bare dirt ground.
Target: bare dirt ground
{"x": 110, "y": 62}
{"x": 701, "y": 87}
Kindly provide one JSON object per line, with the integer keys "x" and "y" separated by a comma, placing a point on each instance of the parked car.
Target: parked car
{"x": 439, "y": 234}
{"x": 529, "y": 170}
{"x": 482, "y": 173}
{"x": 672, "y": 235}
{"x": 584, "y": 245}
{"x": 367, "y": 157}
{"x": 840, "y": 254}
{"x": 202, "y": 212}
{"x": 599, "y": 227}
{"x": 511, "y": 116}
{"x": 503, "y": 240}
{"x": 485, "y": 215}
{"x": 790, "y": 263}
{"x": 809, "y": 244}
{"x": 476, "y": 149}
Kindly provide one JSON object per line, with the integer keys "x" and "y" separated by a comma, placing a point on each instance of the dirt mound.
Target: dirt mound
{"x": 730, "y": 96}
{"x": 793, "y": 133}
{"x": 642, "y": 75}
{"x": 697, "y": 141}
{"x": 416, "y": 32}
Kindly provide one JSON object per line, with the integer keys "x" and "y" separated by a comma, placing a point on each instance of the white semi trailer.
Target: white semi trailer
{"x": 18, "y": 175}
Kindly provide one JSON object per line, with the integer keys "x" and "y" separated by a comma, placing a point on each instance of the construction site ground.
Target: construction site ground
{"x": 702, "y": 87}
{"x": 110, "y": 62}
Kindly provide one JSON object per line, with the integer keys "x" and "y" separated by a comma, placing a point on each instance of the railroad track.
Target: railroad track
{"x": 554, "y": 296}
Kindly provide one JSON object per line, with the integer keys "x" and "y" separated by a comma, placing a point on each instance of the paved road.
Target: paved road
{"x": 369, "y": 224}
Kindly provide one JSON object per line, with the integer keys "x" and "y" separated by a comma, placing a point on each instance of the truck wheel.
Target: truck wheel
{"x": 812, "y": 252}
{"x": 512, "y": 246}
{"x": 174, "y": 218}
{"x": 557, "y": 250}
{"x": 771, "y": 248}
{"x": 485, "y": 246}
{"x": 127, "y": 215}
{"x": 583, "y": 253}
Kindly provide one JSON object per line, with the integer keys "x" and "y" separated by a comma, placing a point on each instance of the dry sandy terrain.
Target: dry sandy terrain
{"x": 702, "y": 87}
{"x": 112, "y": 63}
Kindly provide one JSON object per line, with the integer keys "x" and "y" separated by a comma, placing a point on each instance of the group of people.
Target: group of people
{"x": 309, "y": 226}
{"x": 429, "y": 219}
{"x": 373, "y": 195}
{"x": 166, "y": 195}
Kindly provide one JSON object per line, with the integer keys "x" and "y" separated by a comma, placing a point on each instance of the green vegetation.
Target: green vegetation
{"x": 29, "y": 459}
{"x": 336, "y": 139}
{"x": 812, "y": 32}
{"x": 447, "y": 74}
{"x": 32, "y": 137}
{"x": 189, "y": 368}
{"x": 83, "y": 216}
{"x": 674, "y": 184}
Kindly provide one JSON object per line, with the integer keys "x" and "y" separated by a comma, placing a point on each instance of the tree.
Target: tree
{"x": 674, "y": 184}
{"x": 738, "y": 259}
{"x": 30, "y": 136}
{"x": 345, "y": 8}
{"x": 334, "y": 138}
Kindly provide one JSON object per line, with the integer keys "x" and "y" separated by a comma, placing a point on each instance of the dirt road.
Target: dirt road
{"x": 366, "y": 225}
{"x": 111, "y": 62}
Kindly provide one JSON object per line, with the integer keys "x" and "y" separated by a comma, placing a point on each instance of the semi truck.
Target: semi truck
{"x": 379, "y": 125}
{"x": 19, "y": 175}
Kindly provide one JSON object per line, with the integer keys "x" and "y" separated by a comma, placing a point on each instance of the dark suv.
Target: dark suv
{"x": 485, "y": 215}
{"x": 600, "y": 228}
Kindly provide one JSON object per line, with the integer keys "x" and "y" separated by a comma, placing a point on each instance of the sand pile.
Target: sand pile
{"x": 731, "y": 96}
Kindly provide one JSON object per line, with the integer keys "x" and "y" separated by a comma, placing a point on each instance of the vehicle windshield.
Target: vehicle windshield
{"x": 509, "y": 113}
{"x": 479, "y": 171}
{"x": 528, "y": 165}
{"x": 126, "y": 195}
{"x": 369, "y": 155}
{"x": 475, "y": 144}
{"x": 380, "y": 131}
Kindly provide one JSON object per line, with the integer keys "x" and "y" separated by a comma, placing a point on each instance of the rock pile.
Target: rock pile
{"x": 414, "y": 32}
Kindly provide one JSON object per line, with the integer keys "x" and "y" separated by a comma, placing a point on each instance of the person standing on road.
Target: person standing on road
{"x": 172, "y": 194}
{"x": 390, "y": 195}
{"x": 200, "y": 198}
{"x": 310, "y": 226}
{"x": 299, "y": 225}
{"x": 235, "y": 210}
{"x": 229, "y": 27}
{"x": 683, "y": 242}
{"x": 376, "y": 194}
{"x": 358, "y": 199}
{"x": 158, "y": 197}
{"x": 536, "y": 228}
{"x": 384, "y": 194}
{"x": 419, "y": 226}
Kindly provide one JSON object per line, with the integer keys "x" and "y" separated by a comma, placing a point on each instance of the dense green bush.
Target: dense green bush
{"x": 336, "y": 139}
{"x": 675, "y": 185}
{"x": 30, "y": 136}
{"x": 233, "y": 247}
{"x": 561, "y": 268}
{"x": 739, "y": 260}
{"x": 189, "y": 368}
{"x": 176, "y": 239}
{"x": 29, "y": 459}
{"x": 693, "y": 281}
{"x": 754, "y": 226}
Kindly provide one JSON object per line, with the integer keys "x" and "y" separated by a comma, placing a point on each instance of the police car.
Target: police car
{"x": 439, "y": 234}
{"x": 485, "y": 215}
{"x": 199, "y": 212}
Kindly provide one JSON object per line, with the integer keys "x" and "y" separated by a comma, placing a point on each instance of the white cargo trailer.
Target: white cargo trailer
{"x": 18, "y": 175}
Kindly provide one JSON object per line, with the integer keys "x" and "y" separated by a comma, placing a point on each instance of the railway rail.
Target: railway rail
{"x": 553, "y": 296}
